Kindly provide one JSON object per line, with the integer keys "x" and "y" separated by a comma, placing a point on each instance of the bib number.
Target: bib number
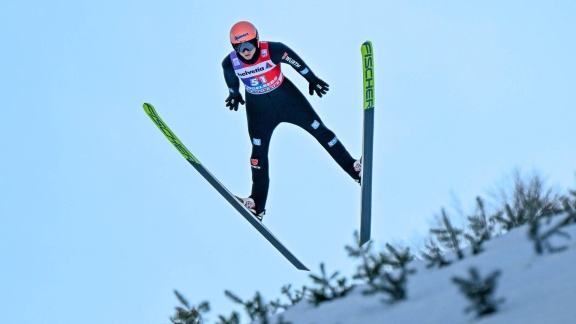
{"x": 259, "y": 80}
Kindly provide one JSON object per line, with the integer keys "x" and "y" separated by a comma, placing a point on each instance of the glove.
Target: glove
{"x": 233, "y": 100}
{"x": 319, "y": 86}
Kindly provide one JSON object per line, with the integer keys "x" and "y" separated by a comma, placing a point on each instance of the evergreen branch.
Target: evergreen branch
{"x": 434, "y": 255}
{"x": 529, "y": 202}
{"x": 542, "y": 240}
{"x": 188, "y": 314}
{"x": 449, "y": 236}
{"x": 480, "y": 292}
{"x": 256, "y": 308}
{"x": 327, "y": 290}
{"x": 234, "y": 319}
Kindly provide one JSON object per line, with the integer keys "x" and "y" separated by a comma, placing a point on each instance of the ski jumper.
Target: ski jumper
{"x": 272, "y": 99}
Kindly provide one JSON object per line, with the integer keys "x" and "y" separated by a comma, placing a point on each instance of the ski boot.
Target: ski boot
{"x": 358, "y": 169}
{"x": 251, "y": 206}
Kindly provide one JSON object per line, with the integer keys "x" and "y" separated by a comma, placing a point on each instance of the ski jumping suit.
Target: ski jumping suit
{"x": 272, "y": 99}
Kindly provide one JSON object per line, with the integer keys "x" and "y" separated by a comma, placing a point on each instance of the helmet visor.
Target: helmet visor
{"x": 245, "y": 46}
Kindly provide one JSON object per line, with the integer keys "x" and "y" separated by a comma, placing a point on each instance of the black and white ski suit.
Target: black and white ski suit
{"x": 272, "y": 99}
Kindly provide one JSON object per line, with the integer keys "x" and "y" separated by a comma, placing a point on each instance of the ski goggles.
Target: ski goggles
{"x": 245, "y": 46}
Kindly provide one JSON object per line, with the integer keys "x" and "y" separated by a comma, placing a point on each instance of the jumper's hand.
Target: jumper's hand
{"x": 233, "y": 100}
{"x": 319, "y": 86}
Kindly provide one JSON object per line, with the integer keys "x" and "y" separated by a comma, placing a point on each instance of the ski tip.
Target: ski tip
{"x": 147, "y": 105}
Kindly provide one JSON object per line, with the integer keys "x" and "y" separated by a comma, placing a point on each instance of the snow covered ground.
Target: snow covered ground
{"x": 537, "y": 289}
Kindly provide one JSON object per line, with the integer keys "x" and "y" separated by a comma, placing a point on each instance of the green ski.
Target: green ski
{"x": 221, "y": 189}
{"x": 367, "y": 142}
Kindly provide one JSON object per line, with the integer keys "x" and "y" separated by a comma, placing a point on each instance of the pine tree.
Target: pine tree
{"x": 293, "y": 298}
{"x": 449, "y": 236}
{"x": 530, "y": 201}
{"x": 569, "y": 206}
{"x": 542, "y": 239}
{"x": 378, "y": 269}
{"x": 482, "y": 227}
{"x": 392, "y": 283}
{"x": 328, "y": 287}
{"x": 480, "y": 292}
{"x": 234, "y": 319}
{"x": 372, "y": 265}
{"x": 256, "y": 308}
{"x": 399, "y": 259}
{"x": 434, "y": 255}
{"x": 356, "y": 251}
{"x": 189, "y": 314}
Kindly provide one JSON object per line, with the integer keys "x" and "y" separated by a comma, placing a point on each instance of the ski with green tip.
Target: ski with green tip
{"x": 221, "y": 189}
{"x": 367, "y": 142}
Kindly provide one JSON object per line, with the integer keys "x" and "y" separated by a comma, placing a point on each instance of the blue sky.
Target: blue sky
{"x": 100, "y": 218}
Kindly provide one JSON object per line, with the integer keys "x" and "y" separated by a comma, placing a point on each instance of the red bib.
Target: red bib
{"x": 261, "y": 77}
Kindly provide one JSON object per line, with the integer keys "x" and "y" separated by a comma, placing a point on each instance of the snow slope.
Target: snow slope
{"x": 537, "y": 289}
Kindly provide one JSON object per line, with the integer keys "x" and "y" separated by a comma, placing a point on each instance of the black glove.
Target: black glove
{"x": 319, "y": 86}
{"x": 233, "y": 100}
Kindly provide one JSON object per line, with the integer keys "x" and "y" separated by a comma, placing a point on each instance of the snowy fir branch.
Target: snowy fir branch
{"x": 482, "y": 227}
{"x": 372, "y": 264}
{"x": 233, "y": 319}
{"x": 449, "y": 236}
{"x": 399, "y": 259}
{"x": 376, "y": 269}
{"x": 256, "y": 308}
{"x": 434, "y": 255}
{"x": 188, "y": 314}
{"x": 529, "y": 202}
{"x": 541, "y": 238}
{"x": 293, "y": 298}
{"x": 328, "y": 287}
{"x": 476, "y": 242}
{"x": 391, "y": 283}
{"x": 480, "y": 292}
{"x": 355, "y": 250}
{"x": 569, "y": 207}
{"x": 479, "y": 223}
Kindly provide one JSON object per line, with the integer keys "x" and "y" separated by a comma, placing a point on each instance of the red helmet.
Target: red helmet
{"x": 243, "y": 31}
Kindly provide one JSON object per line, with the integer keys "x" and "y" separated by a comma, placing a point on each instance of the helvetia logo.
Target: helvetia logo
{"x": 250, "y": 72}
